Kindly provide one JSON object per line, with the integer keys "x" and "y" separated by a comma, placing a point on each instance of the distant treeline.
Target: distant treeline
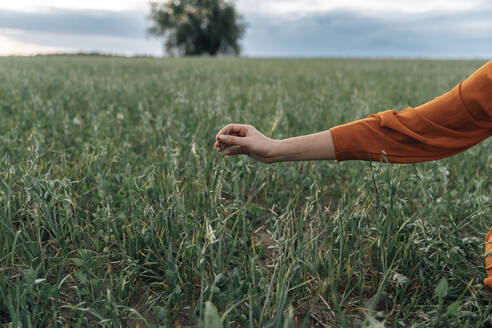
{"x": 94, "y": 54}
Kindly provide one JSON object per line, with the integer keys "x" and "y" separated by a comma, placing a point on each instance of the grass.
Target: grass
{"x": 116, "y": 211}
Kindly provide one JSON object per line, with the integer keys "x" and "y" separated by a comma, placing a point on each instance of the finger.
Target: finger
{"x": 221, "y": 144}
{"x": 228, "y": 146}
{"x": 236, "y": 151}
{"x": 233, "y": 140}
{"x": 231, "y": 134}
{"x": 235, "y": 129}
{"x": 226, "y": 129}
{"x": 217, "y": 146}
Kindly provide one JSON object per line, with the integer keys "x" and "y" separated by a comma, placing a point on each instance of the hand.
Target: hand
{"x": 248, "y": 141}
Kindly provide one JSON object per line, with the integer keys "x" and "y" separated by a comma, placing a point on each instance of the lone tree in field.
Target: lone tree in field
{"x": 198, "y": 27}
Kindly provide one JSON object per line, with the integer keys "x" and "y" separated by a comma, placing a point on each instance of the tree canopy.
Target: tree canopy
{"x": 198, "y": 27}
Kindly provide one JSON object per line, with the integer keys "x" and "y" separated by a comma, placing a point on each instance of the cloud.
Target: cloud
{"x": 280, "y": 28}
{"x": 77, "y": 22}
{"x": 354, "y": 33}
{"x": 374, "y": 7}
{"x": 14, "y": 47}
{"x": 36, "y": 5}
{"x": 123, "y": 32}
{"x": 32, "y": 42}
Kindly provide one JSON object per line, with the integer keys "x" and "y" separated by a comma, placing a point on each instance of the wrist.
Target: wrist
{"x": 277, "y": 150}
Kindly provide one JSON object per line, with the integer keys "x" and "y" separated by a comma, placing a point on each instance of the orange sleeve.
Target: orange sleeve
{"x": 439, "y": 128}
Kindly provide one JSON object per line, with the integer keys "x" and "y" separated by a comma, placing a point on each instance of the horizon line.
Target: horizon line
{"x": 122, "y": 55}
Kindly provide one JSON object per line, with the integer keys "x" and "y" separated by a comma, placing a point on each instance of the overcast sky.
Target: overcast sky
{"x": 355, "y": 28}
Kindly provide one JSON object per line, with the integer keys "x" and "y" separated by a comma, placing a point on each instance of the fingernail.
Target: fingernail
{"x": 223, "y": 137}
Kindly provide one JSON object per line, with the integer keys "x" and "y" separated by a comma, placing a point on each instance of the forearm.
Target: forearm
{"x": 316, "y": 146}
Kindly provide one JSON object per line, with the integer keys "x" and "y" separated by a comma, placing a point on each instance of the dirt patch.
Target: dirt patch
{"x": 265, "y": 245}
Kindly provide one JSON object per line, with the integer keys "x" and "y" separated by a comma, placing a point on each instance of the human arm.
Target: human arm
{"x": 439, "y": 128}
{"x": 249, "y": 141}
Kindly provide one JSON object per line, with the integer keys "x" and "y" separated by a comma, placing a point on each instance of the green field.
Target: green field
{"x": 116, "y": 211}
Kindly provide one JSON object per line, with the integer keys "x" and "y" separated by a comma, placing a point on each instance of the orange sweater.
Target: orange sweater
{"x": 439, "y": 128}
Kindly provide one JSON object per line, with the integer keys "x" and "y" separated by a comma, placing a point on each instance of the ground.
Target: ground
{"x": 116, "y": 211}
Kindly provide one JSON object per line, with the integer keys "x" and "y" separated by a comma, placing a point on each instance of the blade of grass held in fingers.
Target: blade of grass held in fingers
{"x": 222, "y": 145}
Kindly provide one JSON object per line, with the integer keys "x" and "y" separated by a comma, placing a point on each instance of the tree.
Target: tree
{"x": 197, "y": 27}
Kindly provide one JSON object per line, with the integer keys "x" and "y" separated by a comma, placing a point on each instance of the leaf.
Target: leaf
{"x": 161, "y": 312}
{"x": 30, "y": 276}
{"x": 78, "y": 262}
{"x": 400, "y": 278}
{"x": 211, "y": 317}
{"x": 441, "y": 290}
{"x": 453, "y": 308}
{"x": 82, "y": 276}
{"x": 48, "y": 291}
{"x": 371, "y": 322}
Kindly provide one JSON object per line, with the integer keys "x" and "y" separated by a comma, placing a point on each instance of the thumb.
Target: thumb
{"x": 233, "y": 140}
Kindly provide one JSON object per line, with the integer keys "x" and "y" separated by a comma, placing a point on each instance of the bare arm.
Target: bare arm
{"x": 442, "y": 127}
{"x": 245, "y": 139}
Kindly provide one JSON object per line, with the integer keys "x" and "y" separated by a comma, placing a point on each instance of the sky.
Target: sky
{"x": 276, "y": 28}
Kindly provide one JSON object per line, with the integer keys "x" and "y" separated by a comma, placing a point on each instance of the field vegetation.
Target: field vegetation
{"x": 115, "y": 209}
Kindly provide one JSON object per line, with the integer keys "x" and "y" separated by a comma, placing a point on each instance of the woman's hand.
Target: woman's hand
{"x": 246, "y": 140}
